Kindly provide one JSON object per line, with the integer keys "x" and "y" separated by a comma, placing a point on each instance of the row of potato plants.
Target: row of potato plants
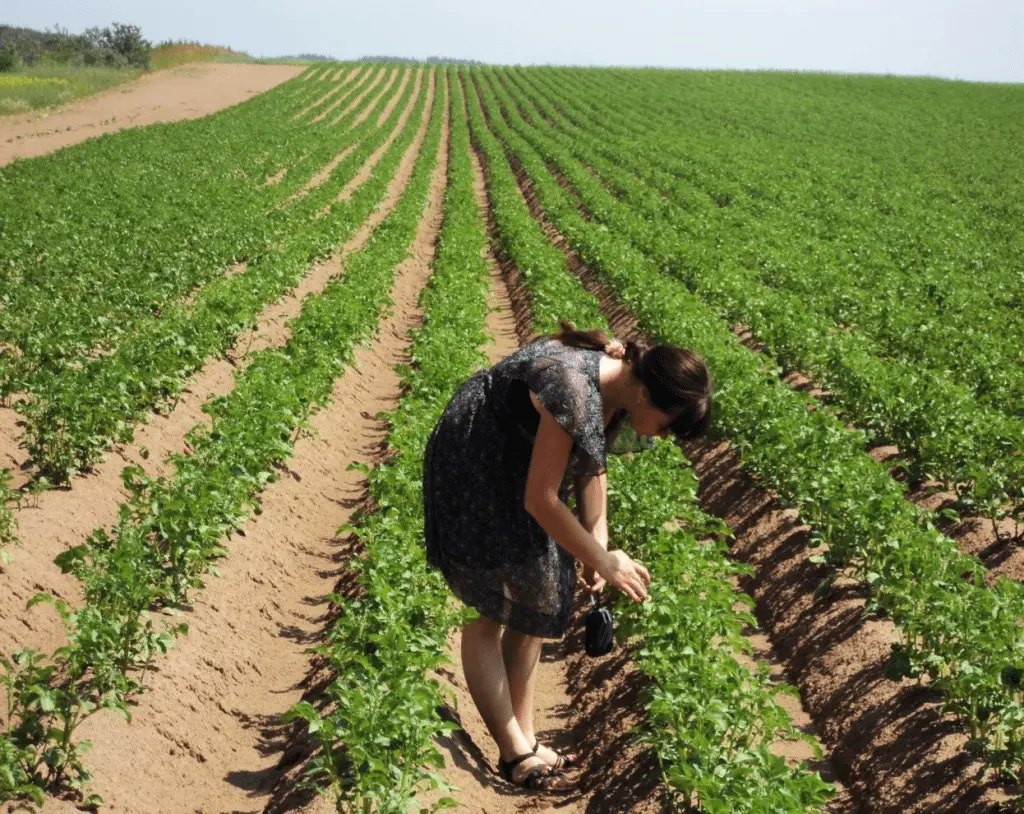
{"x": 328, "y": 95}
{"x": 942, "y": 428}
{"x": 173, "y": 529}
{"x": 950, "y": 200}
{"x": 710, "y": 720}
{"x": 956, "y": 631}
{"x": 92, "y": 242}
{"x": 376, "y": 725}
{"x": 957, "y": 315}
{"x": 71, "y": 419}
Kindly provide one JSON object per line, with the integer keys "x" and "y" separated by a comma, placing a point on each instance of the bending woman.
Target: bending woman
{"x": 498, "y": 471}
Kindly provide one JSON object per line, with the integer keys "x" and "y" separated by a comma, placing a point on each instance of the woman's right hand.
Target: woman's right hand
{"x": 626, "y": 574}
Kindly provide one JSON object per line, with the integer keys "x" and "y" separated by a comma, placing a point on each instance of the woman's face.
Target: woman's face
{"x": 648, "y": 420}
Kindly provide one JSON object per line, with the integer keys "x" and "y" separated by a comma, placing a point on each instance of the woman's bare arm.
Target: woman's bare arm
{"x": 550, "y": 457}
{"x": 592, "y": 503}
{"x": 551, "y": 449}
{"x": 592, "y": 507}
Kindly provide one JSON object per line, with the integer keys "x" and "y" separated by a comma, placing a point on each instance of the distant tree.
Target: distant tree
{"x": 8, "y": 59}
{"x": 122, "y": 44}
{"x": 119, "y": 45}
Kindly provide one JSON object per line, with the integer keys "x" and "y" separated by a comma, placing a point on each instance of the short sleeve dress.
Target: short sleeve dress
{"x": 493, "y": 554}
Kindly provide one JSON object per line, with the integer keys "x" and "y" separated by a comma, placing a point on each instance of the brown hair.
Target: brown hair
{"x": 677, "y": 379}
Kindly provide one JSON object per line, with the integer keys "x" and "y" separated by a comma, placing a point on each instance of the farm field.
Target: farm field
{"x": 224, "y": 343}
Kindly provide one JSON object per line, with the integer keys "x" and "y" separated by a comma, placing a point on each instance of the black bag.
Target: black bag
{"x": 599, "y": 637}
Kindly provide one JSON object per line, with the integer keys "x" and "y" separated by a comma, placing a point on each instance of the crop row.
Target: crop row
{"x": 73, "y": 417}
{"x": 940, "y": 425}
{"x": 376, "y": 735}
{"x": 930, "y": 288}
{"x": 173, "y": 528}
{"x": 710, "y": 720}
{"x": 960, "y": 633}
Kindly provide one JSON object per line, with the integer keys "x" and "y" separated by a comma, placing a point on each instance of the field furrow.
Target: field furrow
{"x": 99, "y": 401}
{"x": 57, "y": 520}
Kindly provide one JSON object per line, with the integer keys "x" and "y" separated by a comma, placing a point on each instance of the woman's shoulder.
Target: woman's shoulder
{"x": 554, "y": 349}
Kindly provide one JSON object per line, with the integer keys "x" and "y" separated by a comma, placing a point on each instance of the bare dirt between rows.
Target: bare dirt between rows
{"x": 887, "y": 742}
{"x": 187, "y": 92}
{"x": 59, "y": 519}
{"x": 208, "y": 737}
{"x": 995, "y": 544}
{"x": 337, "y": 88}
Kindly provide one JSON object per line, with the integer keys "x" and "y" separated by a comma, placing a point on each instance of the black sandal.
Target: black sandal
{"x": 537, "y": 779}
{"x": 563, "y": 761}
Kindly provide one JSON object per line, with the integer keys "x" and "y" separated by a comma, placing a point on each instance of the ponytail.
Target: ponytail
{"x": 595, "y": 340}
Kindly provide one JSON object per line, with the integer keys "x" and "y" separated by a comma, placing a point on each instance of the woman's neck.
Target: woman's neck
{"x": 618, "y": 385}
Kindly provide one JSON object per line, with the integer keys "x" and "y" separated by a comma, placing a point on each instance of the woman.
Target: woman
{"x": 497, "y": 475}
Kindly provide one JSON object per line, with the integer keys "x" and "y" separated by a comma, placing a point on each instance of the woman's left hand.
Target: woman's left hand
{"x": 590, "y": 581}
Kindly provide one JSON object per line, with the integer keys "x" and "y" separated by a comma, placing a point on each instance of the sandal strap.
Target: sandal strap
{"x": 505, "y": 767}
{"x": 562, "y": 763}
{"x": 517, "y": 760}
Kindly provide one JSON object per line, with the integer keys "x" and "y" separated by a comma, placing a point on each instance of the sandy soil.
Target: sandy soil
{"x": 187, "y": 92}
{"x": 208, "y": 737}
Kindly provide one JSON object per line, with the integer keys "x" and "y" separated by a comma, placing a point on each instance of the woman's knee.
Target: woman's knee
{"x": 482, "y": 628}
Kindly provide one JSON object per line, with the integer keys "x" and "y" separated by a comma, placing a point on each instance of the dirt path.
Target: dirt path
{"x": 208, "y": 736}
{"x": 63, "y": 518}
{"x": 187, "y": 92}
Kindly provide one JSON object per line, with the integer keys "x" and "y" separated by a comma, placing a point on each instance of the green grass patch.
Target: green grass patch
{"x": 48, "y": 85}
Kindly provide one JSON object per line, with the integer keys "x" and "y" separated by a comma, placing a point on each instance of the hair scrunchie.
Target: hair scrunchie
{"x": 615, "y": 349}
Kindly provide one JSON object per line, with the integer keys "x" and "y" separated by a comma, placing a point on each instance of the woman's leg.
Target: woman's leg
{"x": 521, "y": 654}
{"x": 489, "y": 687}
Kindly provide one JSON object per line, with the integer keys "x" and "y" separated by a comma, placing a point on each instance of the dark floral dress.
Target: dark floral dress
{"x": 493, "y": 554}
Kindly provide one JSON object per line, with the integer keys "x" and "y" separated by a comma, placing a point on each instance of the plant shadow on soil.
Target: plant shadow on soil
{"x": 609, "y": 698}
{"x": 291, "y": 740}
{"x": 914, "y": 761}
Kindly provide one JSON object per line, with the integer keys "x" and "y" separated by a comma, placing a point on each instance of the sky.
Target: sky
{"x": 977, "y": 40}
